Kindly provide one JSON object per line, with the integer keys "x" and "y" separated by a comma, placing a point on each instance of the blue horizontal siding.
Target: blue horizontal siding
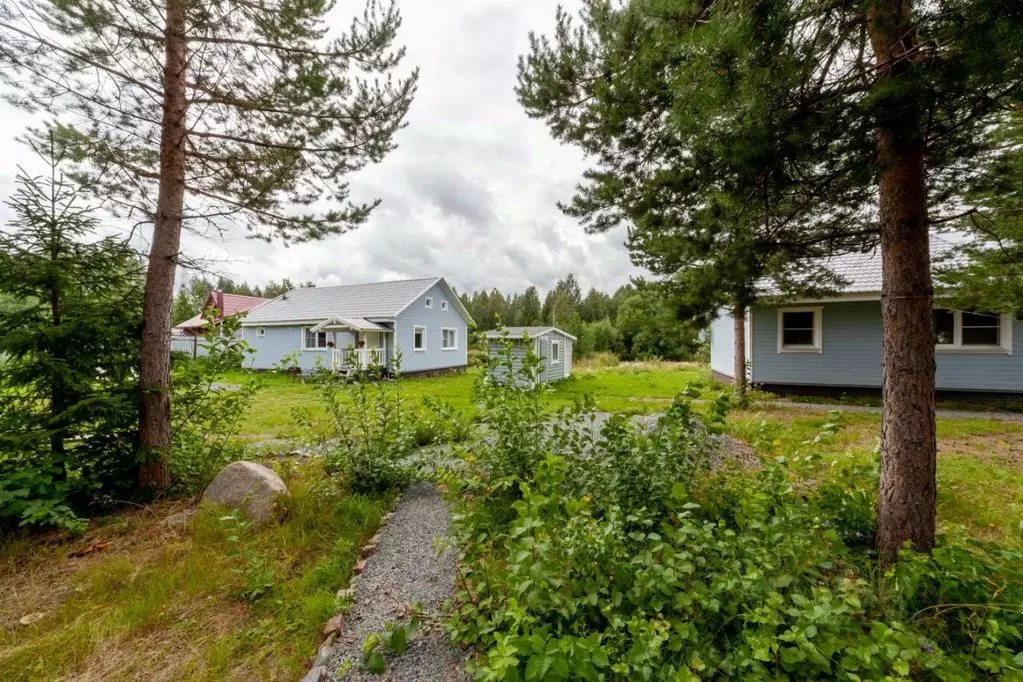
{"x": 434, "y": 319}
{"x": 281, "y": 341}
{"x": 851, "y": 341}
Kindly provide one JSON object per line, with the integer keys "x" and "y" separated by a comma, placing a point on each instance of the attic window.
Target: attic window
{"x": 260, "y": 332}
{"x": 429, "y": 301}
{"x": 443, "y": 305}
{"x": 799, "y": 330}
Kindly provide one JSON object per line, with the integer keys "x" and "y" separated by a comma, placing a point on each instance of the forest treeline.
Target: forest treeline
{"x": 634, "y": 322}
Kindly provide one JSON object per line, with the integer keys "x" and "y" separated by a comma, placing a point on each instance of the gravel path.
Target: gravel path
{"x": 952, "y": 414}
{"x": 405, "y": 570}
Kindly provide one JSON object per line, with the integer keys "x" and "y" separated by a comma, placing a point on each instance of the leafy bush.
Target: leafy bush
{"x": 620, "y": 557}
{"x": 370, "y": 429}
{"x": 205, "y": 411}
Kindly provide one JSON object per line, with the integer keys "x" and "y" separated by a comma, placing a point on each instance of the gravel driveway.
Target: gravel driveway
{"x": 405, "y": 570}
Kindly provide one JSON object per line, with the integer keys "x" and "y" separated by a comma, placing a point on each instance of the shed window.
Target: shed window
{"x": 315, "y": 340}
{"x": 555, "y": 352}
{"x": 419, "y": 339}
{"x": 969, "y": 330}
{"x": 799, "y": 330}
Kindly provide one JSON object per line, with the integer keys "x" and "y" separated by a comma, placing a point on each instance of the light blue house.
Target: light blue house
{"x": 835, "y": 342}
{"x": 363, "y": 324}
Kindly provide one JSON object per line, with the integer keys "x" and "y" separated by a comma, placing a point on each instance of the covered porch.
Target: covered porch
{"x": 356, "y": 344}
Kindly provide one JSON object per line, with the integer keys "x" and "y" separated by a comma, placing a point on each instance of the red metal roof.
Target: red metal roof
{"x": 227, "y": 304}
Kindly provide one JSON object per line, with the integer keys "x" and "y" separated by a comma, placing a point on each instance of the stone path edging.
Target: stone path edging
{"x": 404, "y": 569}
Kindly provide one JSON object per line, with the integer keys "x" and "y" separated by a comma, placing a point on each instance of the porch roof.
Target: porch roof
{"x": 359, "y": 324}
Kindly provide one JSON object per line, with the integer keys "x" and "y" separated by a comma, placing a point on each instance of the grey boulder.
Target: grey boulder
{"x": 248, "y": 486}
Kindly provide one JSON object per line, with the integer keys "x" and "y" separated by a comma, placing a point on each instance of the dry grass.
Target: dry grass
{"x": 162, "y": 600}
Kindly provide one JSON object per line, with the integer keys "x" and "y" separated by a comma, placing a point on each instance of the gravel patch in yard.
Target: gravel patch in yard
{"x": 406, "y": 569}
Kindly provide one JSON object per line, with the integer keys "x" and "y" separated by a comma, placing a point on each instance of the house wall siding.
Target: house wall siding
{"x": 278, "y": 343}
{"x": 851, "y": 344}
{"x": 434, "y": 319}
{"x": 722, "y": 343}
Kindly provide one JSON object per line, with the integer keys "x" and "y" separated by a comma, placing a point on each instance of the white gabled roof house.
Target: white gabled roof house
{"x": 422, "y": 321}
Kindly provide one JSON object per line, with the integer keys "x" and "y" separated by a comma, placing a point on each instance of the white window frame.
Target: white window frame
{"x": 416, "y": 349}
{"x": 957, "y": 346}
{"x": 443, "y": 305}
{"x": 326, "y": 340}
{"x": 555, "y": 360}
{"x": 260, "y": 332}
{"x": 818, "y": 330}
{"x": 429, "y": 302}
{"x": 454, "y": 332}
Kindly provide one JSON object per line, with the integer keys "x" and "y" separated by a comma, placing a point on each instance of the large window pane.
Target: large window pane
{"x": 944, "y": 327}
{"x": 981, "y": 329}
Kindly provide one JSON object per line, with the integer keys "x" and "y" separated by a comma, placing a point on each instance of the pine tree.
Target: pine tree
{"x": 740, "y": 139}
{"x": 71, "y": 341}
{"x": 985, "y": 272}
{"x": 245, "y": 109}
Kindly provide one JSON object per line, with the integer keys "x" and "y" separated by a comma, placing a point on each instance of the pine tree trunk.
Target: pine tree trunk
{"x": 906, "y": 499}
{"x": 739, "y": 368}
{"x": 154, "y": 426}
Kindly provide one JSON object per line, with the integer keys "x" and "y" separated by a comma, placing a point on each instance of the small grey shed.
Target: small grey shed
{"x": 552, "y": 345}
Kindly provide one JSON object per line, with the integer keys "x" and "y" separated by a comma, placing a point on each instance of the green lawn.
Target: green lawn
{"x": 980, "y": 462}
{"x": 635, "y": 388}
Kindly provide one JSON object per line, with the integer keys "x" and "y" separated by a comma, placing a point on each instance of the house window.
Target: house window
{"x": 799, "y": 330}
{"x": 314, "y": 340}
{"x": 419, "y": 339}
{"x": 260, "y": 332}
{"x": 970, "y": 330}
{"x": 429, "y": 301}
{"x": 443, "y": 305}
{"x": 555, "y": 352}
{"x": 449, "y": 339}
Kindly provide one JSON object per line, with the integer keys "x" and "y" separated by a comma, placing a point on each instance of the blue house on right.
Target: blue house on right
{"x": 820, "y": 345}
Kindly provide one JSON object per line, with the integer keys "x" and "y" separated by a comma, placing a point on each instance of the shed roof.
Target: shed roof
{"x": 517, "y": 332}
{"x": 377, "y": 300}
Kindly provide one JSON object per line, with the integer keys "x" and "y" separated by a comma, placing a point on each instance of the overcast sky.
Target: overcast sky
{"x": 470, "y": 192}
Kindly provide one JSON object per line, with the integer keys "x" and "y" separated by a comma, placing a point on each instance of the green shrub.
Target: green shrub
{"x": 620, "y": 557}
{"x": 205, "y": 412}
{"x": 371, "y": 430}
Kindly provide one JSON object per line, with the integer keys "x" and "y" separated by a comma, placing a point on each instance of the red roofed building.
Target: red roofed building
{"x": 227, "y": 305}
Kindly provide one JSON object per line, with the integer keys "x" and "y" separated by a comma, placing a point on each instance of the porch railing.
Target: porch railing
{"x": 357, "y": 358}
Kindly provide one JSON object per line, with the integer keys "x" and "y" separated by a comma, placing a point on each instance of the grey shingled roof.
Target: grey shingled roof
{"x": 862, "y": 271}
{"x": 517, "y": 332}
{"x": 376, "y": 300}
